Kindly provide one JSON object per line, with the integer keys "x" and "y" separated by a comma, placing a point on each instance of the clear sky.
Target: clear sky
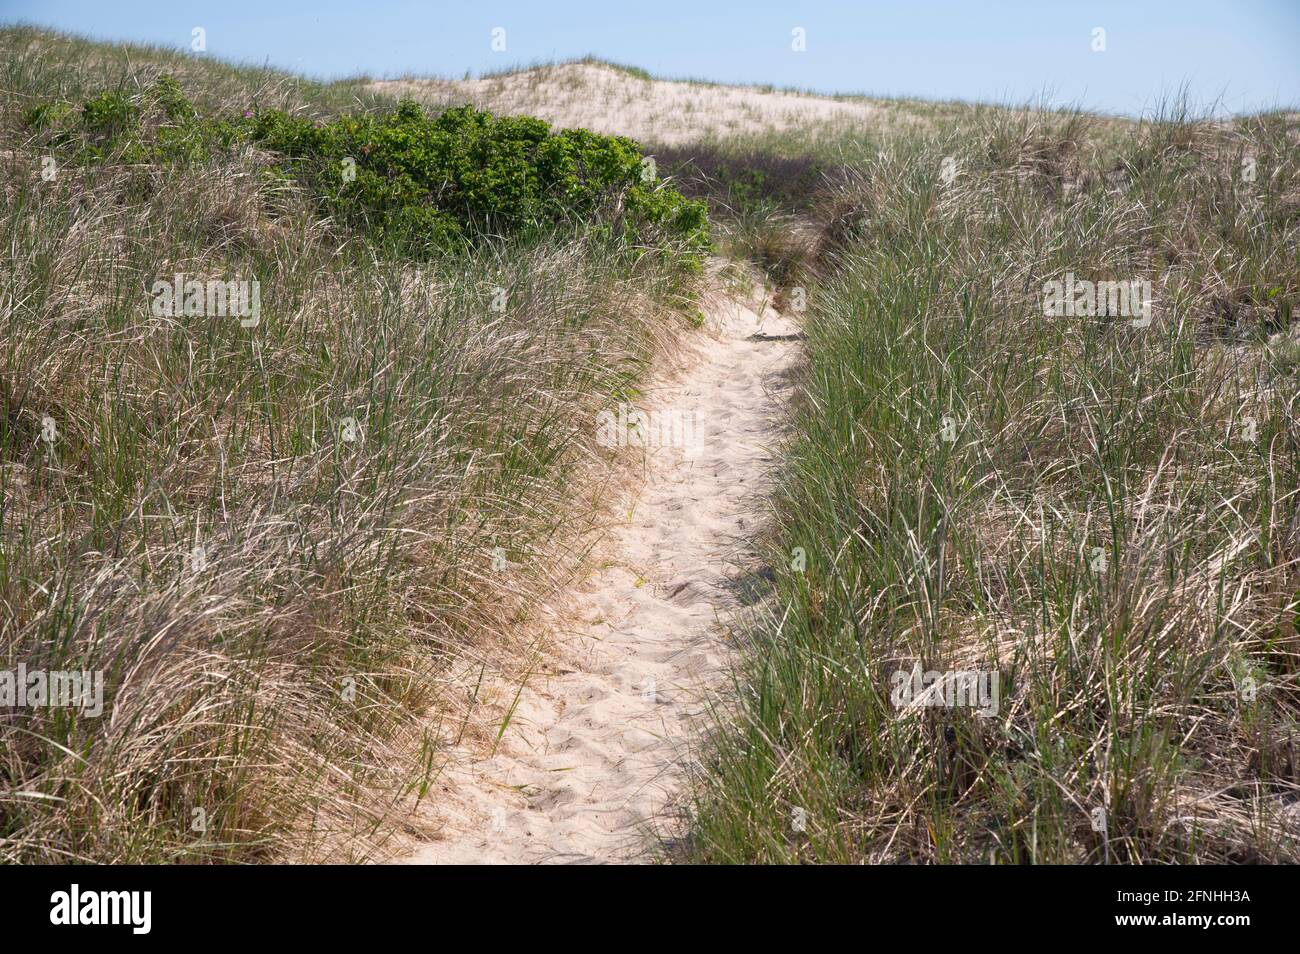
{"x": 1244, "y": 53}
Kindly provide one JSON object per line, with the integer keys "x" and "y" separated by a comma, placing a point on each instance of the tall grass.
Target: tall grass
{"x": 1105, "y": 515}
{"x": 271, "y": 539}
{"x": 41, "y": 64}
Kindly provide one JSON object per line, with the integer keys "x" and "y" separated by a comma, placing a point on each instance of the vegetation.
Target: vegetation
{"x": 272, "y": 539}
{"x": 426, "y": 182}
{"x": 1102, "y": 512}
{"x": 410, "y": 182}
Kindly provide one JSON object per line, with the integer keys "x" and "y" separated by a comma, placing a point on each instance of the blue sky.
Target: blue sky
{"x": 1244, "y": 53}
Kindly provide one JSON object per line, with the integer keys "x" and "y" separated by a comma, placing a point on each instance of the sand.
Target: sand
{"x": 591, "y": 765}
{"x": 654, "y": 112}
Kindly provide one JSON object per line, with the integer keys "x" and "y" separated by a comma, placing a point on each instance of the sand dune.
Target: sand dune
{"x": 652, "y": 111}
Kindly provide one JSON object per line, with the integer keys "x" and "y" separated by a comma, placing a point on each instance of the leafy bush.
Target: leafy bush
{"x": 156, "y": 125}
{"x": 409, "y": 181}
{"x": 422, "y": 181}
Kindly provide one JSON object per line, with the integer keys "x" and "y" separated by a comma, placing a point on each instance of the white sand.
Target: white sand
{"x": 593, "y": 758}
{"x": 655, "y": 112}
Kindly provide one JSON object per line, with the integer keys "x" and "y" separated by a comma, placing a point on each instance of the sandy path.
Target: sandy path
{"x": 594, "y": 753}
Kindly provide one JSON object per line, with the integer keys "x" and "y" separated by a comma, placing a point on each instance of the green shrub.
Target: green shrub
{"x": 109, "y": 115}
{"x": 411, "y": 182}
{"x": 423, "y": 182}
{"x": 156, "y": 125}
{"x": 49, "y": 116}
